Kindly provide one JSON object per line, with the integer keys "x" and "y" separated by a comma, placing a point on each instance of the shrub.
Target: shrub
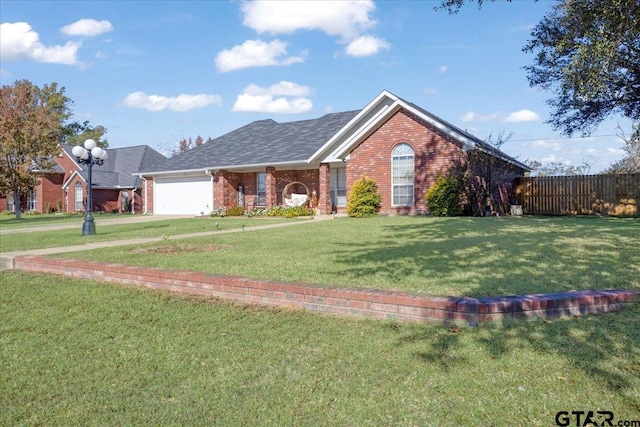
{"x": 235, "y": 211}
{"x": 364, "y": 200}
{"x": 443, "y": 198}
{"x": 220, "y": 212}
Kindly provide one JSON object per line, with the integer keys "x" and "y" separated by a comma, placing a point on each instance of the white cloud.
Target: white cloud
{"x": 347, "y": 19}
{"x": 18, "y": 41}
{"x": 281, "y": 98}
{"x": 87, "y": 28}
{"x": 443, "y": 69}
{"x": 254, "y": 53}
{"x": 366, "y": 46}
{"x": 523, "y": 116}
{"x": 552, "y": 158}
{"x": 181, "y": 103}
{"x": 555, "y": 145}
{"x": 472, "y": 116}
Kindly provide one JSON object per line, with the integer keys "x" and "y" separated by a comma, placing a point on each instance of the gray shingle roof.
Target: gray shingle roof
{"x": 117, "y": 171}
{"x": 259, "y": 143}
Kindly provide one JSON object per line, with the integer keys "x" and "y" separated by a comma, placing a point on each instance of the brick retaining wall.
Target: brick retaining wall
{"x": 379, "y": 304}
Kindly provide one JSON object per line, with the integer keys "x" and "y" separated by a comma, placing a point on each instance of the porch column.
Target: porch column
{"x": 272, "y": 198}
{"x": 324, "y": 196}
{"x": 220, "y": 190}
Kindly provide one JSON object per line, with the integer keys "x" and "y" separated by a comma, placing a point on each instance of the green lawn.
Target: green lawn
{"x": 157, "y": 228}
{"x": 440, "y": 256}
{"x": 75, "y": 352}
{"x": 8, "y": 220}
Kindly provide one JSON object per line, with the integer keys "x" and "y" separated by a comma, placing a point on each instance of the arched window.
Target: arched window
{"x": 402, "y": 175}
{"x": 78, "y": 196}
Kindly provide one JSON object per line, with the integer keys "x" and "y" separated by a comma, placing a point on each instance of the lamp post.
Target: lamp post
{"x": 89, "y": 154}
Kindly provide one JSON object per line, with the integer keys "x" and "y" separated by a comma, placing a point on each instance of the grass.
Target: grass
{"x": 76, "y": 352}
{"x": 9, "y": 221}
{"x": 439, "y": 256}
{"x": 157, "y": 228}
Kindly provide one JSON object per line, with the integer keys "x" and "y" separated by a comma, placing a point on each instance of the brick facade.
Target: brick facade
{"x": 50, "y": 192}
{"x": 433, "y": 154}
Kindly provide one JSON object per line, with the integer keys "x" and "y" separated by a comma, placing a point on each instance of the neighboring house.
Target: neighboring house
{"x": 116, "y": 188}
{"x": 398, "y": 144}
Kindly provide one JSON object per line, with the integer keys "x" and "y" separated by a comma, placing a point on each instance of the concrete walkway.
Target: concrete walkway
{"x": 7, "y": 258}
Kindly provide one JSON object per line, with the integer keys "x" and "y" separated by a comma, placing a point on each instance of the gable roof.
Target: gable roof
{"x": 329, "y": 138}
{"x": 260, "y": 143}
{"x": 119, "y": 168}
{"x": 379, "y": 111}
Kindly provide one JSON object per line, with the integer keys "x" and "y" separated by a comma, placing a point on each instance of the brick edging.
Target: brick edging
{"x": 379, "y": 304}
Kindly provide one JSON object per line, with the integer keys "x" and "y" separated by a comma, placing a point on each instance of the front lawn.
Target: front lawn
{"x": 439, "y": 256}
{"x": 76, "y": 352}
{"x": 40, "y": 239}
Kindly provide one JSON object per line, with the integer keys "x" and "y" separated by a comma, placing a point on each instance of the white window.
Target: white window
{"x": 10, "y": 205}
{"x": 78, "y": 196}
{"x": 261, "y": 193}
{"x": 32, "y": 201}
{"x": 338, "y": 178}
{"x": 402, "y": 175}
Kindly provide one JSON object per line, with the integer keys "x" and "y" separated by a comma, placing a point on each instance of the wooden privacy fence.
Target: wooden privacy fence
{"x": 579, "y": 195}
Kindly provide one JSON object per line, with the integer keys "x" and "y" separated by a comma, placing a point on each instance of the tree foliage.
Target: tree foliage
{"x": 31, "y": 126}
{"x": 364, "y": 200}
{"x": 558, "y": 168}
{"x": 185, "y": 145}
{"x": 76, "y": 133}
{"x": 587, "y": 53}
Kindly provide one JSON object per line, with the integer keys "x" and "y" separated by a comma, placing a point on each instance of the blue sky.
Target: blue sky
{"x": 154, "y": 72}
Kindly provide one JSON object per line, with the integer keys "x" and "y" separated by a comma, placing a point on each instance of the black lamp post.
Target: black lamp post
{"x": 89, "y": 155}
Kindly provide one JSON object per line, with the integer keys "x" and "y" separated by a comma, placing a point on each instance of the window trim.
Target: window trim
{"x": 261, "y": 201}
{"x": 32, "y": 200}
{"x": 78, "y": 186}
{"x": 11, "y": 207}
{"x": 340, "y": 201}
{"x": 395, "y": 157}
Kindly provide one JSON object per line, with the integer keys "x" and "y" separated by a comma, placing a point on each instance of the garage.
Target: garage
{"x": 183, "y": 196}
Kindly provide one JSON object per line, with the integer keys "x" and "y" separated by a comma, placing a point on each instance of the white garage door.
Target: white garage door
{"x": 182, "y": 196}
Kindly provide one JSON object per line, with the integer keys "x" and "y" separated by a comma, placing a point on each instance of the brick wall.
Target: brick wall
{"x": 50, "y": 192}
{"x": 379, "y": 304}
{"x": 433, "y": 153}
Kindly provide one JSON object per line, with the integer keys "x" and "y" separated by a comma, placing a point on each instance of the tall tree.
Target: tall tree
{"x": 588, "y": 55}
{"x": 31, "y": 126}
{"x": 76, "y": 133}
{"x": 630, "y": 163}
{"x": 587, "y": 52}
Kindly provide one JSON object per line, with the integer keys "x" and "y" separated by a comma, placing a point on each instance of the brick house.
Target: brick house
{"x": 63, "y": 186}
{"x": 398, "y": 144}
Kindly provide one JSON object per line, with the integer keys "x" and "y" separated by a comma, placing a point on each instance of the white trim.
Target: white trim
{"x": 380, "y": 101}
{"x": 65, "y": 185}
{"x": 257, "y": 167}
{"x": 413, "y": 184}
